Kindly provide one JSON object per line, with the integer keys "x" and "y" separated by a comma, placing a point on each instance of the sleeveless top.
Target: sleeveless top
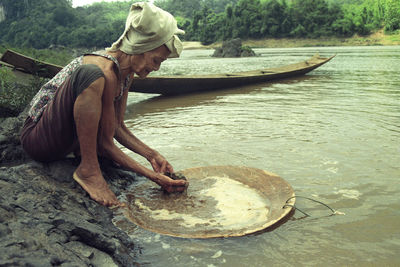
{"x": 48, "y": 90}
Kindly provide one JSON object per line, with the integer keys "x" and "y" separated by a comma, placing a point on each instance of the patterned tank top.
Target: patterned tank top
{"x": 48, "y": 90}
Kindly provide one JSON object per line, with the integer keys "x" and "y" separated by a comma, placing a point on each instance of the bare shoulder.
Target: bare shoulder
{"x": 106, "y": 65}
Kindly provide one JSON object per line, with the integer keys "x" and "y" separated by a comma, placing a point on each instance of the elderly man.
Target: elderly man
{"x": 82, "y": 108}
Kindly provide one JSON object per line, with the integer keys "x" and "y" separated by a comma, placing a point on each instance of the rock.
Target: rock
{"x": 96, "y": 257}
{"x": 218, "y": 52}
{"x": 176, "y": 176}
{"x": 233, "y": 48}
{"x": 247, "y": 52}
{"x": 46, "y": 219}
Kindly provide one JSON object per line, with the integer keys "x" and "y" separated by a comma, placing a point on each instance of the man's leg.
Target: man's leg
{"x": 87, "y": 113}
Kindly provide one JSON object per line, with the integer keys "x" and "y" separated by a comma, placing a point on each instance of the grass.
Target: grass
{"x": 59, "y": 56}
{"x": 14, "y": 96}
{"x": 395, "y": 37}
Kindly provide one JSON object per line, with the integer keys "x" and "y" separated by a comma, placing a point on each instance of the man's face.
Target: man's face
{"x": 150, "y": 61}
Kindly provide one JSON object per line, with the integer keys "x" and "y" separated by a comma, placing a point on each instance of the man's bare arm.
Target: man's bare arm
{"x": 107, "y": 147}
{"x": 126, "y": 138}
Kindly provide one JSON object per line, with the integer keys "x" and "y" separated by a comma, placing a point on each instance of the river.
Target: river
{"x": 333, "y": 134}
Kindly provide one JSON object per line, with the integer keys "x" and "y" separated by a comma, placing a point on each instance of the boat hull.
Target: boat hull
{"x": 176, "y": 85}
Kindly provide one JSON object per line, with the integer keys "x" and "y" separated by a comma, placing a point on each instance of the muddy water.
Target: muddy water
{"x": 333, "y": 134}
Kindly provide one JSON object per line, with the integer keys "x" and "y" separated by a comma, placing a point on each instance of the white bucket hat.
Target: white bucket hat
{"x": 148, "y": 27}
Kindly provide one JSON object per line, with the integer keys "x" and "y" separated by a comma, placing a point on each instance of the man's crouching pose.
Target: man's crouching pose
{"x": 82, "y": 108}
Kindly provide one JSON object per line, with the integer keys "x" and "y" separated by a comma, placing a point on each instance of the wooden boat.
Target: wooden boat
{"x": 29, "y": 65}
{"x": 176, "y": 85}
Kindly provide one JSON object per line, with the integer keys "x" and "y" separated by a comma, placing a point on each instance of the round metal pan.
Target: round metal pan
{"x": 221, "y": 201}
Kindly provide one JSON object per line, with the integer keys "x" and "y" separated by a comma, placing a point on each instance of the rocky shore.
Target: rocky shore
{"x": 46, "y": 219}
{"x": 233, "y": 48}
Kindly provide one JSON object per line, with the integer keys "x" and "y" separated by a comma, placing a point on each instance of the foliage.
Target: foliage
{"x": 246, "y": 48}
{"x": 187, "y": 8}
{"x": 14, "y": 97}
{"x": 313, "y": 18}
{"x": 6, "y": 77}
{"x": 59, "y": 56}
{"x": 289, "y": 18}
{"x": 57, "y": 23}
{"x": 392, "y": 15}
{"x": 41, "y": 23}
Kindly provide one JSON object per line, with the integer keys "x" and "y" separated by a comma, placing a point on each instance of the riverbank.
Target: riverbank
{"x": 375, "y": 39}
{"x": 46, "y": 219}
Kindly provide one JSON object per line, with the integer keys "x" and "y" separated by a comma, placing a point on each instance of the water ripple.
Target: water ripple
{"x": 333, "y": 134}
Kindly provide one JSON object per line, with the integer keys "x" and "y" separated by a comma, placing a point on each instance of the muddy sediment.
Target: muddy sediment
{"x": 46, "y": 219}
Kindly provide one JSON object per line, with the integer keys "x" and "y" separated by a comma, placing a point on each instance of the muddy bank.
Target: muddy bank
{"x": 46, "y": 219}
{"x": 376, "y": 38}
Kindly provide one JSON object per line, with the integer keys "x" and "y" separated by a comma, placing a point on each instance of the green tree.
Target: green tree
{"x": 247, "y": 19}
{"x": 276, "y": 21}
{"x": 98, "y": 25}
{"x": 63, "y": 16}
{"x": 312, "y": 16}
{"x": 343, "y": 25}
{"x": 392, "y": 15}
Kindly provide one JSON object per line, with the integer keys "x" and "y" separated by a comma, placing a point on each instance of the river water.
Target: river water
{"x": 332, "y": 134}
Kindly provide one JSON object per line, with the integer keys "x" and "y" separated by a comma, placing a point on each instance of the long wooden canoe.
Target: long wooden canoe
{"x": 175, "y": 85}
{"x": 29, "y": 65}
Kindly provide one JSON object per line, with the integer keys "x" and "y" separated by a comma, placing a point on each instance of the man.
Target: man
{"x": 82, "y": 108}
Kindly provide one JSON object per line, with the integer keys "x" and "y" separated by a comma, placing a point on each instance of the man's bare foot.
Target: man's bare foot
{"x": 98, "y": 189}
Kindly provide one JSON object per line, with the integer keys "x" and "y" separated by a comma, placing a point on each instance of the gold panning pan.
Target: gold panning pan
{"x": 221, "y": 201}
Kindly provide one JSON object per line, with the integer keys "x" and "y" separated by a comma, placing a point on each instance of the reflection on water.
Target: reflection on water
{"x": 332, "y": 134}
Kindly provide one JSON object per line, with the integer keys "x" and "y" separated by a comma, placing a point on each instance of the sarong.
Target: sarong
{"x": 54, "y": 135}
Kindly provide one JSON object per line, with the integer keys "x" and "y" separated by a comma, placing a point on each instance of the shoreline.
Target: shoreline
{"x": 374, "y": 39}
{"x": 47, "y": 219}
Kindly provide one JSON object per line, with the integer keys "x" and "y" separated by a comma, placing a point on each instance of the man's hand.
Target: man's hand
{"x": 160, "y": 164}
{"x": 169, "y": 184}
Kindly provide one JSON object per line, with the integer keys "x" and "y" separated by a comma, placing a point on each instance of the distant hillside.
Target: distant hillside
{"x": 42, "y": 23}
{"x": 187, "y": 8}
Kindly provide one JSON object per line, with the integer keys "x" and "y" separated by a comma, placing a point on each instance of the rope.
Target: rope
{"x": 296, "y": 208}
{"x": 334, "y": 212}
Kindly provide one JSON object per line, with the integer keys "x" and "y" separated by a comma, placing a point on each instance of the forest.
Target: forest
{"x": 44, "y": 23}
